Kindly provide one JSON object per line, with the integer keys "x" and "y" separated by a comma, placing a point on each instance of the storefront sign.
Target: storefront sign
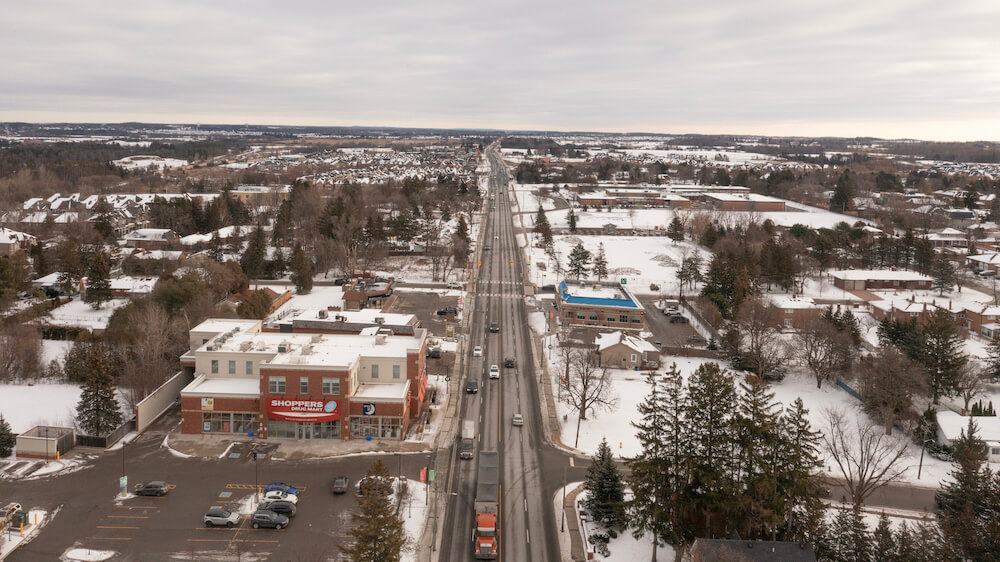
{"x": 208, "y": 403}
{"x": 303, "y": 410}
{"x": 368, "y": 409}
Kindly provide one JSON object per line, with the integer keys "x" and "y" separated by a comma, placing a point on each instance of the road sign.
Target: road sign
{"x": 430, "y": 478}
{"x": 624, "y": 281}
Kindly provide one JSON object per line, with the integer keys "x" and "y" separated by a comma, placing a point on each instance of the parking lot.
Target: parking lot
{"x": 90, "y": 515}
{"x": 666, "y": 332}
{"x": 425, "y": 306}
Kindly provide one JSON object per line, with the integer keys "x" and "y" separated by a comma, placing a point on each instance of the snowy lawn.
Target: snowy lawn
{"x": 624, "y": 547}
{"x": 319, "y": 298}
{"x": 55, "y": 350}
{"x": 19, "y": 404}
{"x": 77, "y": 313}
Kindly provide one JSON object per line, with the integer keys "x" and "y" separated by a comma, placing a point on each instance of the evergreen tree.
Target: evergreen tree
{"x": 254, "y": 256}
{"x": 7, "y": 439}
{"x": 944, "y": 275}
{"x": 605, "y": 489}
{"x": 377, "y": 534}
{"x": 579, "y": 261}
{"x": 941, "y": 353}
{"x": 571, "y": 219}
{"x": 967, "y": 514}
{"x": 883, "y": 541}
{"x": 98, "y": 281}
{"x": 256, "y": 305}
{"x": 992, "y": 369}
{"x": 542, "y": 227}
{"x": 843, "y": 193}
{"x": 600, "y": 270}
{"x": 849, "y": 537}
{"x": 756, "y": 435}
{"x": 675, "y": 231}
{"x": 302, "y": 270}
{"x": 98, "y": 413}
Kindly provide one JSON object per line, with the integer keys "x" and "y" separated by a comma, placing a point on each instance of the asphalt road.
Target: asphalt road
{"x": 170, "y": 527}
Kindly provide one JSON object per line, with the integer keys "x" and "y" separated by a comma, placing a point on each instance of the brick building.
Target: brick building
{"x": 608, "y": 305}
{"x": 879, "y": 279}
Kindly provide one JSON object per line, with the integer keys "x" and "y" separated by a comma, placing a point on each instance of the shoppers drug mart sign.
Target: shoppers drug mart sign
{"x": 303, "y": 410}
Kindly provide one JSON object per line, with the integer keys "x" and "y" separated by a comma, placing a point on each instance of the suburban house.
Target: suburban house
{"x": 609, "y": 305}
{"x": 715, "y": 550}
{"x": 947, "y": 238}
{"x": 795, "y": 311}
{"x": 879, "y": 279}
{"x": 301, "y": 385}
{"x": 368, "y": 293}
{"x": 623, "y": 351}
{"x": 151, "y": 238}
{"x": 11, "y": 241}
{"x": 951, "y": 425}
{"x": 984, "y": 262}
{"x": 261, "y": 195}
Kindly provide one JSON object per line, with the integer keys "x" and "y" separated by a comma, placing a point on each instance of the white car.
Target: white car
{"x": 477, "y": 351}
{"x": 494, "y": 372}
{"x": 281, "y": 496}
{"x": 517, "y": 420}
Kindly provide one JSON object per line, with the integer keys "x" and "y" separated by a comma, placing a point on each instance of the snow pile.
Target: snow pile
{"x": 87, "y": 555}
{"x": 414, "y": 512}
{"x": 174, "y": 452}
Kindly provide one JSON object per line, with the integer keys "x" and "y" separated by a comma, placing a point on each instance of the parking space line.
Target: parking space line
{"x": 111, "y": 538}
{"x": 113, "y": 527}
{"x": 128, "y": 516}
{"x": 137, "y": 507}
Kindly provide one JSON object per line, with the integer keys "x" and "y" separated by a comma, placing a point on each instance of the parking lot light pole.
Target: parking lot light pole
{"x": 256, "y": 479}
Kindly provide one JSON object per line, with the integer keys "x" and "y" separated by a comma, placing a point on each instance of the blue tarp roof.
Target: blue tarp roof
{"x": 594, "y": 301}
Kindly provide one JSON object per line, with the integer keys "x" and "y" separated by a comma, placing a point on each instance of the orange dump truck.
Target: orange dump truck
{"x": 487, "y": 531}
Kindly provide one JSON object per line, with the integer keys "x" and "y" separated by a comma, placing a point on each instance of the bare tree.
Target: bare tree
{"x": 823, "y": 349}
{"x": 150, "y": 355}
{"x": 590, "y": 389}
{"x": 867, "y": 457}
{"x": 763, "y": 351}
{"x": 970, "y": 384}
{"x": 20, "y": 353}
{"x": 888, "y": 382}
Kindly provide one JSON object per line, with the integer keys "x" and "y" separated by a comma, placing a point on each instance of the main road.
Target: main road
{"x": 528, "y": 523}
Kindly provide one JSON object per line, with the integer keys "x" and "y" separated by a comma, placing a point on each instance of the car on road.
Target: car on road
{"x": 678, "y": 319}
{"x": 275, "y": 495}
{"x": 494, "y": 372}
{"x": 508, "y": 362}
{"x": 454, "y": 285}
{"x": 283, "y": 487}
{"x": 268, "y": 520}
{"x": 477, "y": 351}
{"x": 486, "y": 247}
{"x": 494, "y": 327}
{"x": 447, "y": 310}
{"x": 472, "y": 387}
{"x": 221, "y": 517}
{"x": 283, "y": 507}
{"x": 517, "y": 420}
{"x": 340, "y": 485}
{"x": 154, "y": 488}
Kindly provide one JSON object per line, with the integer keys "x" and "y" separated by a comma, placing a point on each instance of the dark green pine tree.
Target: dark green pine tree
{"x": 98, "y": 413}
{"x": 302, "y": 270}
{"x": 542, "y": 227}
{"x": 579, "y": 261}
{"x": 605, "y": 489}
{"x": 675, "y": 230}
{"x": 7, "y": 439}
{"x": 600, "y": 269}
{"x": 98, "y": 281}
{"x": 377, "y": 534}
{"x": 966, "y": 515}
{"x": 850, "y": 540}
{"x": 992, "y": 369}
{"x": 253, "y": 260}
{"x": 941, "y": 353}
{"x": 571, "y": 219}
{"x": 944, "y": 275}
{"x": 883, "y": 541}
{"x": 708, "y": 410}
{"x": 757, "y": 435}
{"x": 798, "y": 459}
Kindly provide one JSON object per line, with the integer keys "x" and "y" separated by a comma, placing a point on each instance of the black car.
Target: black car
{"x": 508, "y": 362}
{"x": 268, "y": 520}
{"x": 548, "y": 288}
{"x": 678, "y": 319}
{"x": 283, "y": 507}
{"x": 340, "y": 281}
{"x": 340, "y": 485}
{"x": 447, "y": 310}
{"x": 155, "y": 488}
{"x": 494, "y": 327}
{"x": 472, "y": 387}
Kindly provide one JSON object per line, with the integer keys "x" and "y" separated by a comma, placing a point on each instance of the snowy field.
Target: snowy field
{"x": 156, "y": 162}
{"x": 77, "y": 313}
{"x": 55, "y": 350}
{"x": 19, "y": 404}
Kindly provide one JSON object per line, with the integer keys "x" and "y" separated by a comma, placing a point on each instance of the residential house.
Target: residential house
{"x": 624, "y": 351}
{"x": 11, "y": 241}
{"x": 952, "y": 424}
{"x": 151, "y": 238}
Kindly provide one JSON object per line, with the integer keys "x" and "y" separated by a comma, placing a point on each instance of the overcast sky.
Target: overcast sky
{"x": 888, "y": 68}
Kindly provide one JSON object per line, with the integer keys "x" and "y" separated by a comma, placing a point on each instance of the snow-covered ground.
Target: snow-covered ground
{"x": 19, "y": 404}
{"x": 155, "y": 162}
{"x": 319, "y": 298}
{"x": 623, "y": 548}
{"x": 77, "y": 313}
{"x": 55, "y": 350}
{"x": 37, "y": 519}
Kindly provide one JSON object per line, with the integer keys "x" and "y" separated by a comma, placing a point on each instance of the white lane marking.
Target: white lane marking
{"x": 527, "y": 537}
{"x": 525, "y": 505}
{"x": 571, "y": 462}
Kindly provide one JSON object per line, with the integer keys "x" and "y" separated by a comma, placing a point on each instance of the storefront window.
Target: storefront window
{"x": 227, "y": 422}
{"x": 378, "y": 427}
{"x": 303, "y": 430}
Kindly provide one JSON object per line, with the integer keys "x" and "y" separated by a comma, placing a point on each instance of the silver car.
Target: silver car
{"x": 221, "y": 517}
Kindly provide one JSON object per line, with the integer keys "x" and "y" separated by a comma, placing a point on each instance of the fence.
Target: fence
{"x": 160, "y": 400}
{"x": 109, "y": 439}
{"x": 45, "y": 442}
{"x": 849, "y": 390}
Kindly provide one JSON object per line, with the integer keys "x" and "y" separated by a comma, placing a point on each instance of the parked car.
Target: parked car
{"x": 517, "y": 420}
{"x": 447, "y": 310}
{"x": 486, "y": 247}
{"x": 494, "y": 327}
{"x": 282, "y": 507}
{"x": 278, "y": 495}
{"x": 678, "y": 319}
{"x": 477, "y": 351}
{"x": 434, "y": 352}
{"x": 281, "y": 486}
{"x": 454, "y": 285}
{"x": 340, "y": 485}
{"x": 472, "y": 387}
{"x": 340, "y": 281}
{"x": 221, "y": 517}
{"x": 508, "y": 362}
{"x": 494, "y": 372}
{"x": 154, "y": 488}
{"x": 268, "y": 520}
{"x": 548, "y": 288}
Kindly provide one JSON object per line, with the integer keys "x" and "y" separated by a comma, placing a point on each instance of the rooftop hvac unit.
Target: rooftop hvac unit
{"x": 380, "y": 320}
{"x": 283, "y": 348}
{"x": 210, "y": 348}
{"x": 380, "y": 339}
{"x": 322, "y": 314}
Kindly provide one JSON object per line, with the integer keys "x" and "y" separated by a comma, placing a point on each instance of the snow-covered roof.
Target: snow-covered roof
{"x": 985, "y": 258}
{"x": 890, "y": 274}
{"x": 382, "y": 392}
{"x": 8, "y": 236}
{"x": 47, "y": 280}
{"x": 149, "y": 234}
{"x": 952, "y": 425}
{"x": 605, "y": 341}
{"x": 232, "y": 387}
{"x": 788, "y": 301}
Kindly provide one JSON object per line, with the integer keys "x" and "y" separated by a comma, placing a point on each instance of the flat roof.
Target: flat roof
{"x": 744, "y": 197}
{"x": 364, "y": 316}
{"x": 225, "y": 324}
{"x": 237, "y": 387}
{"x": 328, "y": 350}
{"x": 382, "y": 391}
{"x": 879, "y": 274}
{"x": 598, "y": 294}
